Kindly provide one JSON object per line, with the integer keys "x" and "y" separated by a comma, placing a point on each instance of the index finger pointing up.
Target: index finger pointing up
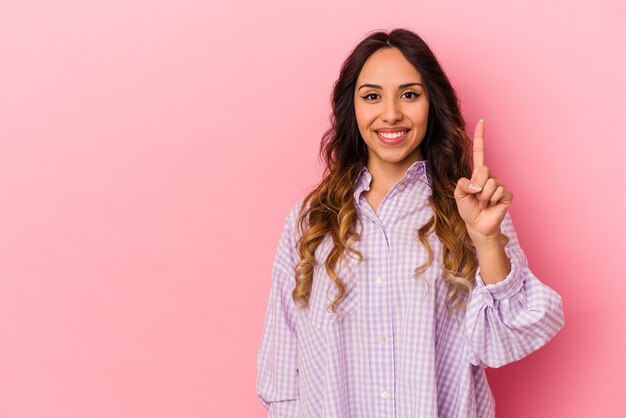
{"x": 479, "y": 145}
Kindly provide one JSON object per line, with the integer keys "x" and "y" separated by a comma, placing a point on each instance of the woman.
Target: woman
{"x": 400, "y": 277}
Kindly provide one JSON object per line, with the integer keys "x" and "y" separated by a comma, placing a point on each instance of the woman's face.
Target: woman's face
{"x": 391, "y": 107}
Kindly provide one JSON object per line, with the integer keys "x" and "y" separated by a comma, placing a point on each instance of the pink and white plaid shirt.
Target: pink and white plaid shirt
{"x": 396, "y": 352}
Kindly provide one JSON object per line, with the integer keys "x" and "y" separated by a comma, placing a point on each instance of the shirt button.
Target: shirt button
{"x": 401, "y": 187}
{"x": 383, "y": 338}
{"x": 384, "y": 394}
{"x": 379, "y": 280}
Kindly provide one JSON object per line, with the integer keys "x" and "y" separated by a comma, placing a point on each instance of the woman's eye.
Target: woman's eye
{"x": 415, "y": 95}
{"x": 367, "y": 96}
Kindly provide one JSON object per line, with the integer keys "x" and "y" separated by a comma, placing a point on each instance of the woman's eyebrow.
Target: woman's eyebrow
{"x": 402, "y": 86}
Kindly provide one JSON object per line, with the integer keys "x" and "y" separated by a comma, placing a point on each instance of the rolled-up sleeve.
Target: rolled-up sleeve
{"x": 277, "y": 362}
{"x": 508, "y": 320}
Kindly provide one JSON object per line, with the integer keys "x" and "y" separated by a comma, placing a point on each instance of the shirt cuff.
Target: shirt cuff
{"x": 505, "y": 288}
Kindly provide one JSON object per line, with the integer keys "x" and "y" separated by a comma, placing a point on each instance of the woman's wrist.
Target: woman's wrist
{"x": 486, "y": 241}
{"x": 492, "y": 259}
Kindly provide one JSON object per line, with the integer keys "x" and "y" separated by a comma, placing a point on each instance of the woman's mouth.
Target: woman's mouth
{"x": 391, "y": 138}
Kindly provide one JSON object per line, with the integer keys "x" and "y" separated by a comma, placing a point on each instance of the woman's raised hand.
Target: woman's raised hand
{"x": 483, "y": 201}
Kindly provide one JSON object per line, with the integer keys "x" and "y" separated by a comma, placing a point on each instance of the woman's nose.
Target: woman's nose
{"x": 392, "y": 112}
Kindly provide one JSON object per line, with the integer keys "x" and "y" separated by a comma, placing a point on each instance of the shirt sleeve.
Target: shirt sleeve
{"x": 277, "y": 361}
{"x": 508, "y": 320}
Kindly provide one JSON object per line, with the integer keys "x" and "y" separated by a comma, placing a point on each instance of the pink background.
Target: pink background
{"x": 150, "y": 151}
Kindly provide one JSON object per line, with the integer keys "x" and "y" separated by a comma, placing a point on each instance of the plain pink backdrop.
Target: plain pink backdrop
{"x": 150, "y": 151}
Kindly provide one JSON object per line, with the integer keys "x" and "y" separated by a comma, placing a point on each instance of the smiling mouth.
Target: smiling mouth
{"x": 392, "y": 135}
{"x": 391, "y": 138}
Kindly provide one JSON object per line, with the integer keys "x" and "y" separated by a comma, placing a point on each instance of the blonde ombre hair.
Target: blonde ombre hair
{"x": 330, "y": 209}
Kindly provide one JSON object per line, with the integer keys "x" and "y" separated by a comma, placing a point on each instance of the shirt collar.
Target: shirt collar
{"x": 416, "y": 172}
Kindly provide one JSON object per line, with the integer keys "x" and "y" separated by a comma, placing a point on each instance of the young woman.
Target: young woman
{"x": 400, "y": 277}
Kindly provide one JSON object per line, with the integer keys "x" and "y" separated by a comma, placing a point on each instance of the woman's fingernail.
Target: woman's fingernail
{"x": 473, "y": 187}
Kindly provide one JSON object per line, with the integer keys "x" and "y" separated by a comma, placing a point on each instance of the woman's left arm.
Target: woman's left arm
{"x": 510, "y": 313}
{"x": 508, "y": 320}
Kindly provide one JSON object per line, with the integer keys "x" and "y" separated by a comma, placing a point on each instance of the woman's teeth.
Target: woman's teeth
{"x": 392, "y": 135}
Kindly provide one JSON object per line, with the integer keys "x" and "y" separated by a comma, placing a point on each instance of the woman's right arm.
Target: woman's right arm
{"x": 277, "y": 362}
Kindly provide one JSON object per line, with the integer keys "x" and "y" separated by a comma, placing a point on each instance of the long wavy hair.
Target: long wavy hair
{"x": 330, "y": 209}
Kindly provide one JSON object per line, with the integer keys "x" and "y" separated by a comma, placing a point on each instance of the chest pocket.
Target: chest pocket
{"x": 324, "y": 290}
